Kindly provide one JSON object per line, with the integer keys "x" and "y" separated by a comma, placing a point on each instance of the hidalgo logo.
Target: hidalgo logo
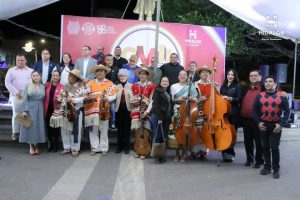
{"x": 88, "y": 28}
{"x": 192, "y": 40}
{"x": 73, "y": 27}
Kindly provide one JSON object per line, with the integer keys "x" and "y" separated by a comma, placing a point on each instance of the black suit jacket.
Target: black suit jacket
{"x": 38, "y": 66}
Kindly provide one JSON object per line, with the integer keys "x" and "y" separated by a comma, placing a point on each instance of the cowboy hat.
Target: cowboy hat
{"x": 76, "y": 73}
{"x": 144, "y": 69}
{"x": 100, "y": 67}
{"x": 203, "y": 68}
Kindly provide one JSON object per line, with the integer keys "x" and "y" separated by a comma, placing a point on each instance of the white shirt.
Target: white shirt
{"x": 45, "y": 73}
{"x": 85, "y": 64}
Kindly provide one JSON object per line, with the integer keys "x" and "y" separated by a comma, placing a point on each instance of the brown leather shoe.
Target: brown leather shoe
{"x": 93, "y": 153}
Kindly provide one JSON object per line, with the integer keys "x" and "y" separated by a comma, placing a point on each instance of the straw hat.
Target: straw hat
{"x": 76, "y": 73}
{"x": 100, "y": 67}
{"x": 203, "y": 68}
{"x": 144, "y": 69}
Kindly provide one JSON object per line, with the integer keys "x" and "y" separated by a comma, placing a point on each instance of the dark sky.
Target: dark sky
{"x": 47, "y": 18}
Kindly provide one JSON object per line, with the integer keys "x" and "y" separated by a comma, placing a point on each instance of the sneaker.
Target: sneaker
{"x": 265, "y": 171}
{"x": 276, "y": 174}
{"x": 15, "y": 136}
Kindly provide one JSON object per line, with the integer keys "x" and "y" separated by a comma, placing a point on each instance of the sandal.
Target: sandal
{"x": 104, "y": 153}
{"x": 75, "y": 153}
{"x": 182, "y": 159}
{"x": 142, "y": 157}
{"x": 65, "y": 151}
{"x": 176, "y": 159}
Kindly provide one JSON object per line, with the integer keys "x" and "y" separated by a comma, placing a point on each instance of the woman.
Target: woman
{"x": 32, "y": 106}
{"x": 161, "y": 112}
{"x": 231, "y": 91}
{"x": 179, "y": 92}
{"x": 122, "y": 110}
{"x": 65, "y": 65}
{"x": 52, "y": 90}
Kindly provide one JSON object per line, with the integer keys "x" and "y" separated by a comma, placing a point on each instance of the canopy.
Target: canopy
{"x": 273, "y": 16}
{"x": 11, "y": 8}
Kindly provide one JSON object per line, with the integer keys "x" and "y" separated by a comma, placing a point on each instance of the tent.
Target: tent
{"x": 276, "y": 17}
{"x": 13, "y": 8}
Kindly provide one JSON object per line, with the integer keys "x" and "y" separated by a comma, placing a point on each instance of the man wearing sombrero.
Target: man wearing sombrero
{"x": 203, "y": 87}
{"x": 72, "y": 93}
{"x": 142, "y": 92}
{"x": 96, "y": 112}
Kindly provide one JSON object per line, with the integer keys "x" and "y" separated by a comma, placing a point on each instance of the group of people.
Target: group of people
{"x": 105, "y": 92}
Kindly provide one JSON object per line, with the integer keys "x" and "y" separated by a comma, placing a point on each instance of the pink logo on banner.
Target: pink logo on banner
{"x": 190, "y": 42}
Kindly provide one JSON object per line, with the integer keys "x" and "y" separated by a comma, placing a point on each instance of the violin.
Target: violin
{"x": 217, "y": 132}
{"x": 187, "y": 133}
{"x": 71, "y": 111}
{"x": 104, "y": 108}
{"x": 142, "y": 145}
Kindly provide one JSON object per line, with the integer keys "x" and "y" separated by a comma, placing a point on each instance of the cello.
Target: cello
{"x": 217, "y": 132}
{"x": 187, "y": 133}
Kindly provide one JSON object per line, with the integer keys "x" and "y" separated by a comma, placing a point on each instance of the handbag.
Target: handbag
{"x": 25, "y": 122}
{"x": 159, "y": 149}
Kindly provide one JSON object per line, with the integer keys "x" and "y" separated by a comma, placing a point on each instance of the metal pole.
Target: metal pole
{"x": 295, "y": 65}
{"x": 156, "y": 36}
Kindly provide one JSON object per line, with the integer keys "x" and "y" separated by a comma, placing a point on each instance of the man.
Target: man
{"x": 131, "y": 67}
{"x": 99, "y": 56}
{"x": 251, "y": 131}
{"x": 271, "y": 112}
{"x": 112, "y": 76}
{"x": 70, "y": 98}
{"x": 97, "y": 112}
{"x": 44, "y": 66}
{"x": 140, "y": 98}
{"x": 156, "y": 78}
{"x": 191, "y": 71}
{"x": 16, "y": 80}
{"x": 203, "y": 87}
{"x": 118, "y": 60}
{"x": 85, "y": 64}
{"x": 172, "y": 69}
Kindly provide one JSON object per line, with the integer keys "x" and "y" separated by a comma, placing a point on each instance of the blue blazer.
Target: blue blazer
{"x": 38, "y": 66}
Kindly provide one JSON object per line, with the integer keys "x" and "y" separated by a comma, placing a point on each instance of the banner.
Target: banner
{"x": 189, "y": 42}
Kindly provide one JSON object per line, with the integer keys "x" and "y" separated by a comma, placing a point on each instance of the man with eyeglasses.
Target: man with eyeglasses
{"x": 85, "y": 64}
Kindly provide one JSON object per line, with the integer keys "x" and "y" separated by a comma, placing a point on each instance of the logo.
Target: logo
{"x": 272, "y": 31}
{"x": 103, "y": 29}
{"x": 140, "y": 41}
{"x": 73, "y": 27}
{"x": 88, "y": 28}
{"x": 192, "y": 40}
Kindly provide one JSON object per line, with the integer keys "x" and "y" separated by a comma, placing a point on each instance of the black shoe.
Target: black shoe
{"x": 126, "y": 151}
{"x": 265, "y": 171}
{"x": 276, "y": 174}
{"x": 248, "y": 163}
{"x": 49, "y": 149}
{"x": 256, "y": 166}
{"x": 118, "y": 151}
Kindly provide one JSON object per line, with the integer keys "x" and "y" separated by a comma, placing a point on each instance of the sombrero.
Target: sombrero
{"x": 100, "y": 67}
{"x": 76, "y": 73}
{"x": 203, "y": 68}
{"x": 144, "y": 69}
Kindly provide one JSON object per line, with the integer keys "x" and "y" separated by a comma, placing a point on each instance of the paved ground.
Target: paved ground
{"x": 122, "y": 177}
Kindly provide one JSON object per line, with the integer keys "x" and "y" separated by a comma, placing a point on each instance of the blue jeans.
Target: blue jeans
{"x": 159, "y": 136}
{"x": 112, "y": 119}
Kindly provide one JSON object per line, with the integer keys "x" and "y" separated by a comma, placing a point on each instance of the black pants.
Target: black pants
{"x": 251, "y": 135}
{"x": 270, "y": 143}
{"x": 123, "y": 122}
{"x": 233, "y": 120}
{"x": 53, "y": 134}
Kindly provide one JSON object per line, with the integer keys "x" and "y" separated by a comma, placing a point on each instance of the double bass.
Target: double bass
{"x": 187, "y": 133}
{"x": 217, "y": 133}
{"x": 142, "y": 145}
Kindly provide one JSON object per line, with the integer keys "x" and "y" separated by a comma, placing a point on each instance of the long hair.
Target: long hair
{"x": 62, "y": 60}
{"x": 235, "y": 79}
{"x": 32, "y": 84}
